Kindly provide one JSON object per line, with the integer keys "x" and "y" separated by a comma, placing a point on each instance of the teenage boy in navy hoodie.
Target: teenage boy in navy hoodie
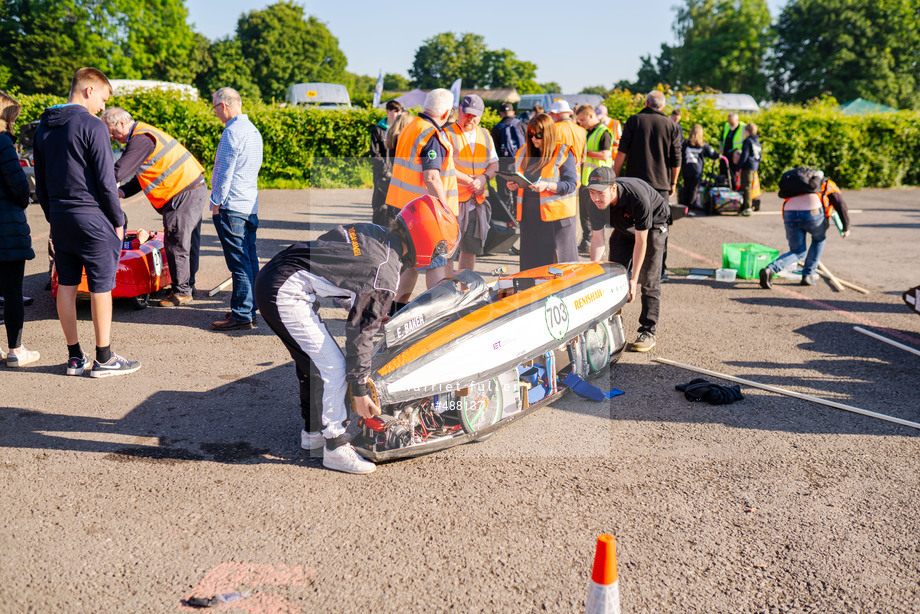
{"x": 75, "y": 184}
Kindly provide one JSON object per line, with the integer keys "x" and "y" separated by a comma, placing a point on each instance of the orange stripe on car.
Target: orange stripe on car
{"x": 572, "y": 274}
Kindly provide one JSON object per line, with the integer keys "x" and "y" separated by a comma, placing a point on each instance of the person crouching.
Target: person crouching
{"x": 358, "y": 265}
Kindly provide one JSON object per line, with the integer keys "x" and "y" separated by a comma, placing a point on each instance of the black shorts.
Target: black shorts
{"x": 86, "y": 241}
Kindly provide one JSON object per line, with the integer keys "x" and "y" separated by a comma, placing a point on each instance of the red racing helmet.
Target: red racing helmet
{"x": 431, "y": 228}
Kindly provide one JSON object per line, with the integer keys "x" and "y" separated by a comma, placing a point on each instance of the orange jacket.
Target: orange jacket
{"x": 470, "y": 161}
{"x": 552, "y": 206}
{"x": 408, "y": 182}
{"x": 574, "y": 136}
{"x": 616, "y": 128}
{"x": 170, "y": 168}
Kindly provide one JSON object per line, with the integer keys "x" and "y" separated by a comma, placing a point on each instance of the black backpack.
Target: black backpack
{"x": 800, "y": 180}
{"x": 511, "y": 138}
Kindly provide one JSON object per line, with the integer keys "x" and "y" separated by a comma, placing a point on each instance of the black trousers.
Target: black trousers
{"x": 14, "y": 313}
{"x": 690, "y": 194}
{"x": 621, "y": 252}
{"x": 182, "y": 230}
{"x": 379, "y": 195}
{"x": 584, "y": 209}
{"x": 666, "y": 195}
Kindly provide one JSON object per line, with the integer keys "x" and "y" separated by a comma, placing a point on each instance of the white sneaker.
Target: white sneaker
{"x": 346, "y": 458}
{"x": 311, "y": 441}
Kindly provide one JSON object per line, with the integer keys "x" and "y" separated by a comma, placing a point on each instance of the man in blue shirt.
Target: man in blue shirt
{"x": 235, "y": 204}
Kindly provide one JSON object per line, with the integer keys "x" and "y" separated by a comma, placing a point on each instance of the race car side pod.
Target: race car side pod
{"x": 603, "y": 590}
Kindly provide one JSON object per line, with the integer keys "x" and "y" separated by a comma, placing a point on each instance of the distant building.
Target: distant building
{"x": 121, "y": 87}
{"x": 415, "y": 98}
{"x": 859, "y": 106}
{"x": 724, "y": 102}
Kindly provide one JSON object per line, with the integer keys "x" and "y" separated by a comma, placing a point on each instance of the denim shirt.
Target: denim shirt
{"x": 234, "y": 180}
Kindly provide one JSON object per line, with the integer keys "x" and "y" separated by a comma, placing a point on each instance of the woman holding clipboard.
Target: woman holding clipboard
{"x": 547, "y": 199}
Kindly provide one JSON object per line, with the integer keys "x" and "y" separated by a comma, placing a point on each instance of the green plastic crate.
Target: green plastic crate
{"x": 747, "y": 258}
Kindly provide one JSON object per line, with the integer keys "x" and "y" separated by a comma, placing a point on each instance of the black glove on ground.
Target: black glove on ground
{"x": 701, "y": 390}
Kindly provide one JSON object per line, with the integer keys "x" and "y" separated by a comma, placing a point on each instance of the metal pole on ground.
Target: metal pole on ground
{"x": 805, "y": 397}
{"x": 886, "y": 340}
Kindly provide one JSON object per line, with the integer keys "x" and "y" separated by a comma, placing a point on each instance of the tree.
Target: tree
{"x": 445, "y": 57}
{"x": 395, "y": 83}
{"x": 45, "y": 41}
{"x": 503, "y": 69}
{"x": 720, "y": 44}
{"x": 655, "y": 71}
{"x": 598, "y": 90}
{"x": 228, "y": 68}
{"x": 155, "y": 35}
{"x": 850, "y": 48}
{"x": 551, "y": 88}
{"x": 282, "y": 48}
{"x": 359, "y": 84}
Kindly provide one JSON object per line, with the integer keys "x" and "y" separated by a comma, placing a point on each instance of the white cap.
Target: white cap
{"x": 560, "y": 106}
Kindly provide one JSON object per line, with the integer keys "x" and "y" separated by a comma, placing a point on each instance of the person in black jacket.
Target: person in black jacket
{"x": 693, "y": 152}
{"x": 508, "y": 136}
{"x": 75, "y": 185}
{"x": 381, "y": 165}
{"x": 748, "y": 162}
{"x": 650, "y": 147}
{"x": 15, "y": 238}
{"x": 358, "y": 266}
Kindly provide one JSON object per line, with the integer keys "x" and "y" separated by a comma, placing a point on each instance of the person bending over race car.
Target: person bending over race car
{"x": 639, "y": 216}
{"x": 359, "y": 266}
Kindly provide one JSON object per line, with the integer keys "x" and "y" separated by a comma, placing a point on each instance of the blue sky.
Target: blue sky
{"x": 380, "y": 36}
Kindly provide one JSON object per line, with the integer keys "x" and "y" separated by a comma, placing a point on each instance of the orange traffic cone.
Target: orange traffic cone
{"x": 604, "y": 591}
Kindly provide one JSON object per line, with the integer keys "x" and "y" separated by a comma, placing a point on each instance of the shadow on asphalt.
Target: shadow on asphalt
{"x": 847, "y": 368}
{"x": 241, "y": 422}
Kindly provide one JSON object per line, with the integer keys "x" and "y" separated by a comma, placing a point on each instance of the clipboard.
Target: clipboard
{"x": 835, "y": 217}
{"x": 517, "y": 178}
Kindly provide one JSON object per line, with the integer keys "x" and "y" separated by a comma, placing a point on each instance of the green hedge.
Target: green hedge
{"x": 880, "y": 150}
{"x": 308, "y": 147}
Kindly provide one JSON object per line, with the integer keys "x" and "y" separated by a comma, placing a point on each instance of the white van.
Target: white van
{"x": 321, "y": 95}
{"x": 127, "y": 86}
{"x": 528, "y": 101}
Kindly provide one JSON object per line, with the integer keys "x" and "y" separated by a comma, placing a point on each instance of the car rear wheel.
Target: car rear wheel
{"x": 142, "y": 301}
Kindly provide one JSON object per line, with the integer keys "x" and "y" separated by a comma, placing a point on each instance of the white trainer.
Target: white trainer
{"x": 346, "y": 458}
{"x": 311, "y": 441}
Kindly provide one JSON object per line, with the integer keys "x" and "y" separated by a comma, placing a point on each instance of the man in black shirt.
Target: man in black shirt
{"x": 639, "y": 216}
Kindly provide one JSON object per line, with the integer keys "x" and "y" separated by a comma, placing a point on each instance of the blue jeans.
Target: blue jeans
{"x": 237, "y": 234}
{"x": 800, "y": 224}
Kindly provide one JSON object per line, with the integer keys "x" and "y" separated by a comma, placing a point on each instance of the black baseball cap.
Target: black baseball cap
{"x": 601, "y": 178}
{"x": 506, "y": 106}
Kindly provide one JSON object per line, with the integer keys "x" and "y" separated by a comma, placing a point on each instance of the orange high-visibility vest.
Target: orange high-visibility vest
{"x": 827, "y": 189}
{"x": 407, "y": 182}
{"x": 574, "y": 136}
{"x": 552, "y": 206}
{"x": 616, "y": 128}
{"x": 170, "y": 168}
{"x": 471, "y": 161}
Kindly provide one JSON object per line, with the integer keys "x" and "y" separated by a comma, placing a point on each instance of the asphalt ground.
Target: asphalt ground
{"x": 130, "y": 494}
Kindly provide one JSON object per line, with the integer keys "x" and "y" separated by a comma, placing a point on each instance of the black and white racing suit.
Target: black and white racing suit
{"x": 357, "y": 264}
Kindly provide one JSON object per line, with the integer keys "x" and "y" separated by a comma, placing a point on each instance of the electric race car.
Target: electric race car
{"x": 142, "y": 270}
{"x": 468, "y": 357}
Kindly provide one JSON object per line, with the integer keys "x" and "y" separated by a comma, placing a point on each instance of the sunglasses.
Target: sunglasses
{"x": 536, "y": 135}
